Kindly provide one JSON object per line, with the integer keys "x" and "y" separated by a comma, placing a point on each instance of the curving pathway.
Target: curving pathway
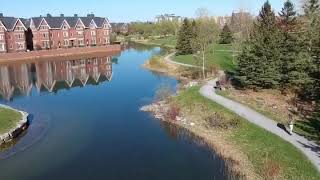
{"x": 169, "y": 60}
{"x": 309, "y": 148}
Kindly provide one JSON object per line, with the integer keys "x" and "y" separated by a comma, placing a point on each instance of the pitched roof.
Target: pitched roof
{"x": 86, "y": 21}
{"x": 99, "y": 21}
{"x": 26, "y": 22}
{"x": 36, "y": 21}
{"x": 8, "y": 22}
{"x": 72, "y": 21}
{"x": 55, "y": 22}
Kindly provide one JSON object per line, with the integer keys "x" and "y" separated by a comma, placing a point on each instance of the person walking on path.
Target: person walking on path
{"x": 291, "y": 123}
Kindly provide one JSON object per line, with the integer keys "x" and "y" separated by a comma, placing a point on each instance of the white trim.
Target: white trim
{"x": 43, "y": 19}
{"x": 106, "y": 19}
{"x": 15, "y": 24}
{"x": 65, "y": 21}
{"x": 79, "y": 20}
{"x": 95, "y": 24}
{"x": 3, "y": 25}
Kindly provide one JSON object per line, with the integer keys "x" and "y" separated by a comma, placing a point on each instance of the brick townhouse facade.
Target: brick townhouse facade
{"x": 49, "y": 32}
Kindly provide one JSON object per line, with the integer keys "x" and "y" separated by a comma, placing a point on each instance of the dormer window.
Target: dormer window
{"x": 64, "y": 27}
{"x": 105, "y": 26}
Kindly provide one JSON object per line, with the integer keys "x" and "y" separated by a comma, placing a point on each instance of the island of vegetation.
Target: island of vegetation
{"x": 269, "y": 63}
{"x": 12, "y": 123}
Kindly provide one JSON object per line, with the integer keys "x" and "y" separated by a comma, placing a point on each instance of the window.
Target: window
{"x": 65, "y": 34}
{"x": 66, "y": 42}
{"x": 58, "y": 34}
{"x": 80, "y": 33}
{"x": 71, "y": 34}
{"x": 99, "y": 40}
{"x": 106, "y": 33}
{"x": 2, "y": 29}
{"x": 45, "y": 44}
{"x": 2, "y": 47}
{"x": 19, "y": 36}
{"x": 20, "y": 46}
{"x": 93, "y": 33}
{"x": 64, "y": 27}
{"x": 11, "y": 46}
{"x": 1, "y": 36}
{"x": 80, "y": 42}
{"x": 79, "y": 27}
{"x": 93, "y": 42}
{"x": 44, "y": 27}
{"x": 19, "y": 28}
{"x": 45, "y": 35}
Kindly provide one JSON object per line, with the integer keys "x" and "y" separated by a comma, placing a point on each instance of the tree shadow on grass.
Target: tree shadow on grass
{"x": 312, "y": 147}
{"x": 311, "y": 127}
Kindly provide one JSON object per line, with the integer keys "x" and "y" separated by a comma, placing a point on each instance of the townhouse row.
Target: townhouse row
{"x": 49, "y": 32}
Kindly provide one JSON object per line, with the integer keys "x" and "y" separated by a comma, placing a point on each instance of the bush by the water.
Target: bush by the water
{"x": 157, "y": 62}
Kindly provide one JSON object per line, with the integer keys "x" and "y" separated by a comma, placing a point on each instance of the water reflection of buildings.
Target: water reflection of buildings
{"x": 52, "y": 76}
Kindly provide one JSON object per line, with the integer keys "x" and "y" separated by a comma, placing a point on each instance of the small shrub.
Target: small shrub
{"x": 156, "y": 62}
{"x": 218, "y": 120}
{"x": 173, "y": 112}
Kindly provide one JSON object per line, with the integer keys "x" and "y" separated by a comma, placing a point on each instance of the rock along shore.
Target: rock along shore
{"x": 21, "y": 126}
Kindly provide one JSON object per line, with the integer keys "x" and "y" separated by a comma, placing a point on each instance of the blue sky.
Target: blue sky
{"x": 129, "y": 10}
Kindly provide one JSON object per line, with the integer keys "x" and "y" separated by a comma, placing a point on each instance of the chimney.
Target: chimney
{"x": 1, "y": 14}
{"x": 61, "y": 15}
{"x": 90, "y": 15}
{"x": 75, "y": 15}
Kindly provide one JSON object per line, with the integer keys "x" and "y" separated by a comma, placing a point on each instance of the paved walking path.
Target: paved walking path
{"x": 169, "y": 60}
{"x": 309, "y": 148}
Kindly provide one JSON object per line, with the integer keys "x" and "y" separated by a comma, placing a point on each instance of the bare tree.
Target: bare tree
{"x": 206, "y": 33}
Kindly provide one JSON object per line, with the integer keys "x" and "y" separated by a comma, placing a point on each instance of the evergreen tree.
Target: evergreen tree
{"x": 226, "y": 35}
{"x": 259, "y": 61}
{"x": 311, "y": 44}
{"x": 294, "y": 61}
{"x": 184, "y": 39}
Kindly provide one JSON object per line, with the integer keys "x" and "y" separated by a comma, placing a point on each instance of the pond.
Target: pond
{"x": 86, "y": 123}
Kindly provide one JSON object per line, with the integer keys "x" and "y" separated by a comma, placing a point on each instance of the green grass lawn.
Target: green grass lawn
{"x": 267, "y": 152}
{"x": 214, "y": 56}
{"x": 168, "y": 41}
{"x": 8, "y": 119}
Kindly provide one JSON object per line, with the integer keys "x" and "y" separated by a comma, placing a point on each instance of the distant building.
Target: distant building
{"x": 222, "y": 20}
{"x": 235, "y": 20}
{"x": 239, "y": 20}
{"x": 49, "y": 32}
{"x": 168, "y": 17}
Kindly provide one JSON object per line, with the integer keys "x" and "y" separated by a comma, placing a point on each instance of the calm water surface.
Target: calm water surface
{"x": 86, "y": 123}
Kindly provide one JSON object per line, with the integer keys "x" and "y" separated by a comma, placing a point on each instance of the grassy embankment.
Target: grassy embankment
{"x": 8, "y": 119}
{"x": 218, "y": 54}
{"x": 168, "y": 41}
{"x": 271, "y": 157}
{"x": 263, "y": 101}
